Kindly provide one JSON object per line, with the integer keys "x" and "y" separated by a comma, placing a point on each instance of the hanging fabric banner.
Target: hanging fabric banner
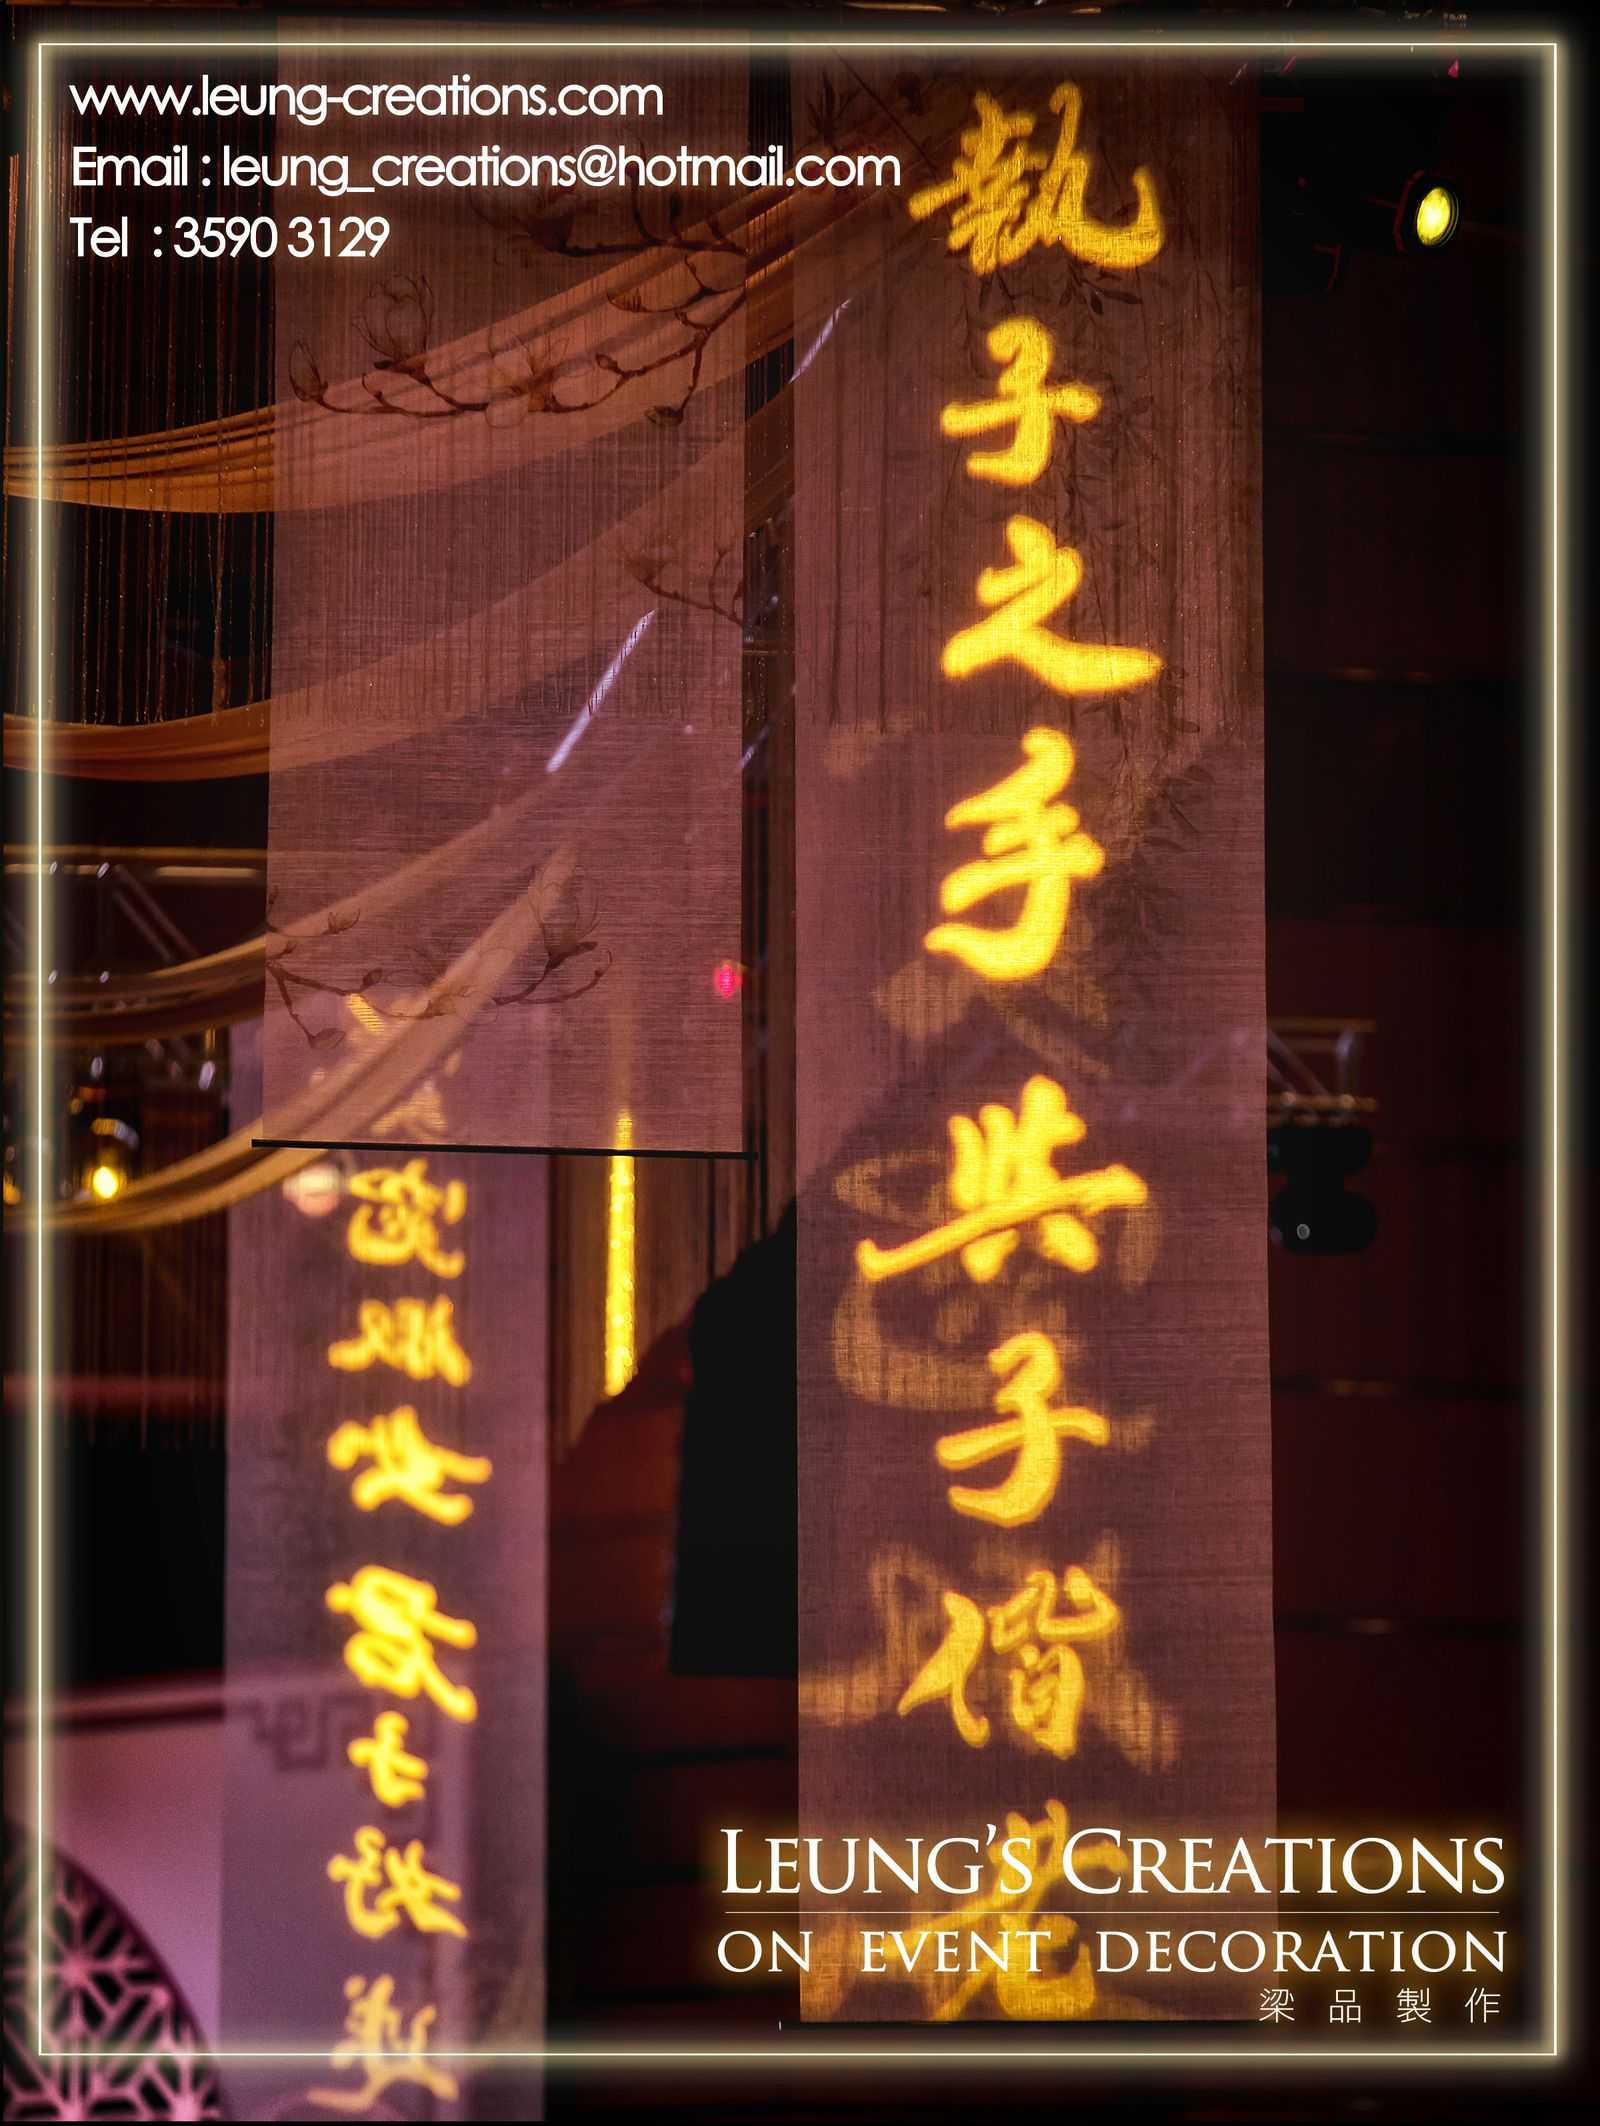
{"x": 383, "y": 1856}
{"x": 508, "y": 547}
{"x": 1035, "y": 1558}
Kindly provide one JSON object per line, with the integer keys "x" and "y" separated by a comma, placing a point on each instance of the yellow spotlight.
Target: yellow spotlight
{"x": 1438, "y": 211}
{"x": 107, "y": 1169}
{"x": 619, "y": 1336}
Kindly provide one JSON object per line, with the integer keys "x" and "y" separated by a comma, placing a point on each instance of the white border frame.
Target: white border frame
{"x": 1555, "y": 1020}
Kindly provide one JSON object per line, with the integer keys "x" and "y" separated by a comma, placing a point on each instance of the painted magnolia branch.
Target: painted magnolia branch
{"x": 397, "y": 319}
{"x": 565, "y": 909}
{"x": 655, "y": 569}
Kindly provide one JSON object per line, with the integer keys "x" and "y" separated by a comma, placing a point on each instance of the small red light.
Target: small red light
{"x": 728, "y": 979}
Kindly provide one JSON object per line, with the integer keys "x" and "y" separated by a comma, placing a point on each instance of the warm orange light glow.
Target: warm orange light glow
{"x": 398, "y": 1619}
{"x": 394, "y": 1773}
{"x": 406, "y": 1466}
{"x": 404, "y": 1226}
{"x": 1041, "y": 576}
{"x": 412, "y": 1892}
{"x": 1032, "y": 1431}
{"x": 1002, "y": 1179}
{"x": 1027, "y": 404}
{"x": 415, "y": 1337}
{"x": 1009, "y": 196}
{"x": 387, "y": 2051}
{"x": 620, "y": 1359}
{"x": 1028, "y": 842}
{"x": 105, "y": 1182}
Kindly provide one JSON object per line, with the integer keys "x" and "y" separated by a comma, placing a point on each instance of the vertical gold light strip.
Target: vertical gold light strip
{"x": 619, "y": 1350}
{"x": 42, "y": 1676}
{"x": 1557, "y": 1065}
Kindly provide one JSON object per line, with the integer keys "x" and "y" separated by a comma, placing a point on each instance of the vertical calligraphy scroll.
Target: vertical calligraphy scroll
{"x": 509, "y": 471}
{"x": 383, "y": 1877}
{"x": 1034, "y": 1448}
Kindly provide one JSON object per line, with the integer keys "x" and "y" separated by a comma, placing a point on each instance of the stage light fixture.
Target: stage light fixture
{"x": 1314, "y": 1213}
{"x": 1434, "y": 220}
{"x": 1424, "y": 216}
{"x": 1336, "y": 187}
{"x": 107, "y": 1165}
{"x": 1308, "y": 1219}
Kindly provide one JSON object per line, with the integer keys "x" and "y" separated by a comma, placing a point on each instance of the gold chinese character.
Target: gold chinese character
{"x": 1046, "y": 1679}
{"x": 392, "y": 1651}
{"x": 1002, "y": 1178}
{"x": 412, "y": 1890}
{"x": 404, "y": 1226}
{"x": 1025, "y": 1866}
{"x": 386, "y": 2052}
{"x": 1028, "y": 842}
{"x": 415, "y": 1338}
{"x": 1040, "y": 577}
{"x": 1032, "y": 1431}
{"x": 909, "y": 1603}
{"x": 397, "y": 1776}
{"x": 406, "y": 1465}
{"x": 947, "y": 1673}
{"x": 1022, "y": 1989}
{"x": 1009, "y": 196}
{"x": 1027, "y": 404}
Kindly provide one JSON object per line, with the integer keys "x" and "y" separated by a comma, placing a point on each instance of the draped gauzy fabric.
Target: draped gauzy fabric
{"x": 364, "y": 1315}
{"x": 1035, "y": 1561}
{"x": 505, "y": 786}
